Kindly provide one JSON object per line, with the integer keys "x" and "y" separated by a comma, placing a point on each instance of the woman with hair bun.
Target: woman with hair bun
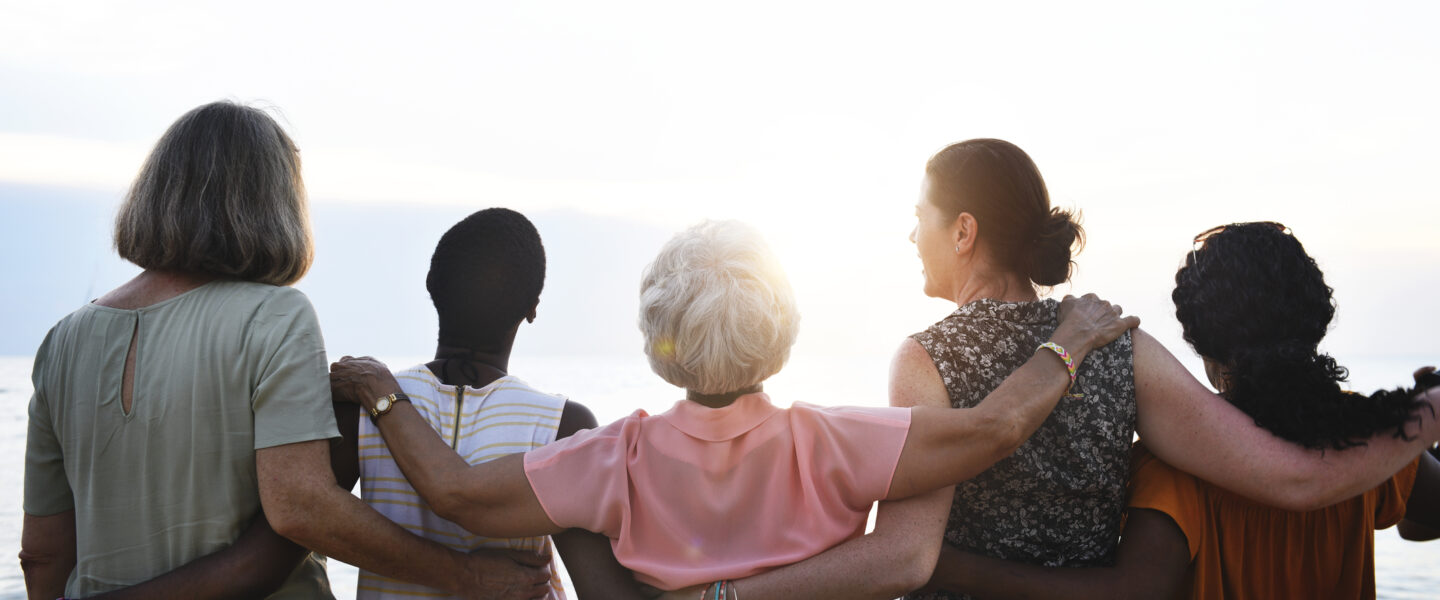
{"x": 989, "y": 240}
{"x": 1255, "y": 306}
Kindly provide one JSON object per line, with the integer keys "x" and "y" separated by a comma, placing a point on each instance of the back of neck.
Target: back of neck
{"x": 463, "y": 366}
{"x": 151, "y": 287}
{"x": 1006, "y": 287}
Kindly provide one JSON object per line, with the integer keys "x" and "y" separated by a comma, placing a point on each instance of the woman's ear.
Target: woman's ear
{"x": 530, "y": 318}
{"x": 964, "y": 232}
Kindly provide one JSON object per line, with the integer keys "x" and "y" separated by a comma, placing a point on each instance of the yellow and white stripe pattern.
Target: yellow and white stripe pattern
{"x": 482, "y": 424}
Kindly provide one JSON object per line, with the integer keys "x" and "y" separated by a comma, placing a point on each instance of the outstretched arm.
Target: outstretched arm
{"x": 303, "y": 502}
{"x": 492, "y": 498}
{"x": 900, "y": 554}
{"x": 256, "y": 565}
{"x": 1150, "y": 563}
{"x": 946, "y": 446}
{"x": 1198, "y": 432}
{"x": 260, "y": 560}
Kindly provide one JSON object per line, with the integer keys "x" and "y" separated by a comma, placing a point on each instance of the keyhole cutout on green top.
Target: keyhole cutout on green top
{"x": 127, "y": 379}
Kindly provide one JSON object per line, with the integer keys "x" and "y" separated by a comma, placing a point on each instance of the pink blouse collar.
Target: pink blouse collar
{"x": 721, "y": 424}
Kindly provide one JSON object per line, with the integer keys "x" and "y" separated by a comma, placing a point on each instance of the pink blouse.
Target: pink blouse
{"x": 697, "y": 494}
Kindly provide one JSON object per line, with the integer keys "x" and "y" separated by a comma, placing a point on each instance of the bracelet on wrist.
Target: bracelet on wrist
{"x": 1065, "y": 358}
{"x": 720, "y": 590}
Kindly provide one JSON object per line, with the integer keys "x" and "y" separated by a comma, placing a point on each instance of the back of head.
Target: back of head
{"x": 997, "y": 183}
{"x": 716, "y": 310}
{"x": 1251, "y": 299}
{"x": 485, "y": 277}
{"x": 219, "y": 195}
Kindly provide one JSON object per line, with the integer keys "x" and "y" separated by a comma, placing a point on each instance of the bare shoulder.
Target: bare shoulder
{"x": 914, "y": 380}
{"x": 1152, "y": 360}
{"x": 575, "y": 417}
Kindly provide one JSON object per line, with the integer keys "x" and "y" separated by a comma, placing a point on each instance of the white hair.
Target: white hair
{"x": 716, "y": 310}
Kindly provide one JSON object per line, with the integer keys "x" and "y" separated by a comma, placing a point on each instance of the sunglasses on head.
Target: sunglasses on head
{"x": 1211, "y": 232}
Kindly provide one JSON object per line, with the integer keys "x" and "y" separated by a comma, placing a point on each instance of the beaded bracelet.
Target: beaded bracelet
{"x": 1064, "y": 357}
{"x": 719, "y": 589}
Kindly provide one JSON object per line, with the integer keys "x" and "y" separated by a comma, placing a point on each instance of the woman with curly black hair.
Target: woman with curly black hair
{"x": 1255, "y": 306}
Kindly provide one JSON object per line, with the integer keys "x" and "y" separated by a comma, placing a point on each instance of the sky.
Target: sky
{"x": 615, "y": 124}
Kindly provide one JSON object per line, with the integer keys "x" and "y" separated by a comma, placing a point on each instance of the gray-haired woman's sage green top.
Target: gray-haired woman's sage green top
{"x": 221, "y": 371}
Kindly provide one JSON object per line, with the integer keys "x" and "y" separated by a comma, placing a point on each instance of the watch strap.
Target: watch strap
{"x": 376, "y": 413}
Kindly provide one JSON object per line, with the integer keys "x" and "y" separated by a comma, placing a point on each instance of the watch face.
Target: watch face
{"x": 383, "y": 405}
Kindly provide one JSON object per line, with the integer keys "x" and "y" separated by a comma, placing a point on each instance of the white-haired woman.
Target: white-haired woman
{"x": 168, "y": 412}
{"x": 725, "y": 484}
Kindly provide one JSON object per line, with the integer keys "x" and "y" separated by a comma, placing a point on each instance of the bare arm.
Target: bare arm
{"x": 303, "y": 503}
{"x": 256, "y": 565}
{"x": 260, "y": 560}
{"x": 345, "y": 454}
{"x": 492, "y": 498}
{"x": 47, "y": 553}
{"x": 946, "y": 446}
{"x": 1150, "y": 563}
{"x": 1422, "y": 510}
{"x": 588, "y": 556}
{"x": 900, "y": 553}
{"x": 1198, "y": 432}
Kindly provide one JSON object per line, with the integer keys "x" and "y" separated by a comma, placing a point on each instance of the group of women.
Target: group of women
{"x": 1007, "y": 452}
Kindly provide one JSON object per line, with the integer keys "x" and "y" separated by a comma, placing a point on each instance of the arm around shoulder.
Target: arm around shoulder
{"x": 1178, "y": 416}
{"x": 1150, "y": 563}
{"x": 899, "y": 555}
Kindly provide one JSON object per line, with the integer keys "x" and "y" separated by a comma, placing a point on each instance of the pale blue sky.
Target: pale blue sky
{"x": 614, "y": 123}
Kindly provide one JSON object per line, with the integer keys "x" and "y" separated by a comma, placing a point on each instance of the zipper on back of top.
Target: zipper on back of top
{"x": 459, "y": 399}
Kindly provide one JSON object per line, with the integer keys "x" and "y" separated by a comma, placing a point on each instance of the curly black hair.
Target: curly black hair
{"x": 1252, "y": 300}
{"x": 485, "y": 277}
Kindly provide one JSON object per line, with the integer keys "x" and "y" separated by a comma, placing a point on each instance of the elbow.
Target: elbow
{"x": 919, "y": 567}
{"x": 447, "y": 503}
{"x": 910, "y": 566}
{"x": 1006, "y": 433}
{"x": 33, "y": 562}
{"x": 290, "y": 524}
{"x": 292, "y": 514}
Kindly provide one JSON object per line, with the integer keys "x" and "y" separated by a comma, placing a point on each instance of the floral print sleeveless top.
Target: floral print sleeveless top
{"x": 1056, "y": 501}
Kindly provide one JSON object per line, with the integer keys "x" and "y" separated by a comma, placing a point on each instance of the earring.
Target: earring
{"x": 957, "y": 248}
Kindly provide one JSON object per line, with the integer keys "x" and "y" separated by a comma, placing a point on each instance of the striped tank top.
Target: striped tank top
{"x": 504, "y": 417}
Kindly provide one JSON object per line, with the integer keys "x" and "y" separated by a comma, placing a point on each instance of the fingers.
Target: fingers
{"x": 529, "y": 559}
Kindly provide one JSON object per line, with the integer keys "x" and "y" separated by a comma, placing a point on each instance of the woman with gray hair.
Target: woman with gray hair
{"x": 725, "y": 484}
{"x": 170, "y": 411}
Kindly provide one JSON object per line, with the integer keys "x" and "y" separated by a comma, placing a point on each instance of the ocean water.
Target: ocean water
{"x": 615, "y": 386}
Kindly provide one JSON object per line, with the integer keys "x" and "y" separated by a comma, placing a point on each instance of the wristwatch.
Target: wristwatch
{"x": 385, "y": 403}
